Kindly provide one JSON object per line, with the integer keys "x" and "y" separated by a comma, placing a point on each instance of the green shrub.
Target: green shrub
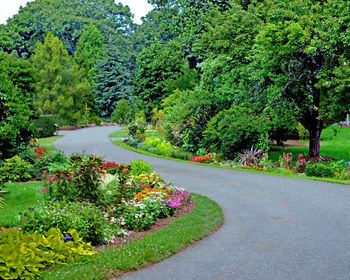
{"x": 81, "y": 178}
{"x": 15, "y": 169}
{"x": 92, "y": 223}
{"x": 136, "y": 131}
{"x": 164, "y": 148}
{"x": 121, "y": 111}
{"x": 45, "y": 125}
{"x": 232, "y": 131}
{"x": 22, "y": 255}
{"x": 319, "y": 170}
{"x": 140, "y": 167}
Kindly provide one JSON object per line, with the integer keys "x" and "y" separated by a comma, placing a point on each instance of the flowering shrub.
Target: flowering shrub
{"x": 153, "y": 180}
{"x": 161, "y": 192}
{"x": 92, "y": 223}
{"x": 203, "y": 159}
{"x": 301, "y": 164}
{"x": 109, "y": 167}
{"x": 40, "y": 151}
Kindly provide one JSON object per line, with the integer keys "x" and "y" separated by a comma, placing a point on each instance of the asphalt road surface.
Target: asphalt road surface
{"x": 275, "y": 228}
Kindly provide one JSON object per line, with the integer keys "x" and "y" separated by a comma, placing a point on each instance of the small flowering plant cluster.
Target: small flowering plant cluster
{"x": 93, "y": 223}
{"x": 203, "y": 159}
{"x": 40, "y": 151}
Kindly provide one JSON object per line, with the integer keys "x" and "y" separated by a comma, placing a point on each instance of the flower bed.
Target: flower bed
{"x": 100, "y": 201}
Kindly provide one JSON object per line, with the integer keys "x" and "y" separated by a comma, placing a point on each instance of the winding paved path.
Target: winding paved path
{"x": 275, "y": 228}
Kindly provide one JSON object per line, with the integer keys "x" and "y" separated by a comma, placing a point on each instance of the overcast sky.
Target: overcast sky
{"x": 10, "y": 7}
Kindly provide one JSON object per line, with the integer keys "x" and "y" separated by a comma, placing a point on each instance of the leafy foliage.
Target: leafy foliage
{"x": 121, "y": 113}
{"x": 22, "y": 255}
{"x": 66, "y": 19}
{"x": 60, "y": 90}
{"x": 113, "y": 81}
{"x": 15, "y": 170}
{"x": 157, "y": 64}
{"x": 45, "y": 125}
{"x": 16, "y": 109}
{"x": 233, "y": 130}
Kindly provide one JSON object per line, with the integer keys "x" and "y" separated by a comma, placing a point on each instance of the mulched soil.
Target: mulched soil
{"x": 158, "y": 225}
{"x": 70, "y": 127}
{"x": 318, "y": 159}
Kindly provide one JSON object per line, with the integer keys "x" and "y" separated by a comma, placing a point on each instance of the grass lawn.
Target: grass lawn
{"x": 204, "y": 219}
{"x": 123, "y": 133}
{"x": 19, "y": 197}
{"x": 48, "y": 142}
{"x": 335, "y": 143}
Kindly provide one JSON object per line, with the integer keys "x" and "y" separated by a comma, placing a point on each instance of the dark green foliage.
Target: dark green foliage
{"x": 297, "y": 57}
{"x": 113, "y": 81}
{"x": 16, "y": 109}
{"x": 157, "y": 64}
{"x": 187, "y": 114}
{"x": 61, "y": 89}
{"x": 45, "y": 125}
{"x": 88, "y": 52}
{"x": 319, "y": 170}
{"x": 66, "y": 19}
{"x": 23, "y": 255}
{"x": 233, "y": 131}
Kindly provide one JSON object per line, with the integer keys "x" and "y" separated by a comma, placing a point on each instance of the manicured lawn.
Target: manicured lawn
{"x": 204, "y": 219}
{"x": 19, "y": 197}
{"x": 48, "y": 142}
{"x": 335, "y": 143}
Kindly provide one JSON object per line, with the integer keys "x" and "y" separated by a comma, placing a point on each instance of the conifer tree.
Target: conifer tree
{"x": 60, "y": 88}
{"x": 113, "y": 81}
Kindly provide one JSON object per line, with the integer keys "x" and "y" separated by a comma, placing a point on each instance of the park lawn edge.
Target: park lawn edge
{"x": 121, "y": 144}
{"x": 47, "y": 142}
{"x": 202, "y": 221}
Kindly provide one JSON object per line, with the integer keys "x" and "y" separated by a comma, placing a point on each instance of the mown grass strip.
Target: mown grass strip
{"x": 203, "y": 220}
{"x": 48, "y": 142}
{"x": 120, "y": 143}
{"x": 19, "y": 197}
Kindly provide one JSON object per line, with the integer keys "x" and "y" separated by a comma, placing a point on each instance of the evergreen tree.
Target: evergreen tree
{"x": 60, "y": 89}
{"x": 88, "y": 52}
{"x": 113, "y": 81}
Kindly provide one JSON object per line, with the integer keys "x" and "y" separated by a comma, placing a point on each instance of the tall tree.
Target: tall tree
{"x": 66, "y": 19}
{"x": 113, "y": 81}
{"x": 300, "y": 55}
{"x": 157, "y": 64}
{"x": 60, "y": 89}
{"x": 88, "y": 53}
{"x": 17, "y": 112}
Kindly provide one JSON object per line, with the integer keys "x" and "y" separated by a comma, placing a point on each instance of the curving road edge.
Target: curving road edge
{"x": 275, "y": 228}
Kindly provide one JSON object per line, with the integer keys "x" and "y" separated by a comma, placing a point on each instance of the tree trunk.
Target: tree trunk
{"x": 314, "y": 141}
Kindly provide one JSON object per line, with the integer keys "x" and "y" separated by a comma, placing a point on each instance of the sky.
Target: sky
{"x": 10, "y": 7}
